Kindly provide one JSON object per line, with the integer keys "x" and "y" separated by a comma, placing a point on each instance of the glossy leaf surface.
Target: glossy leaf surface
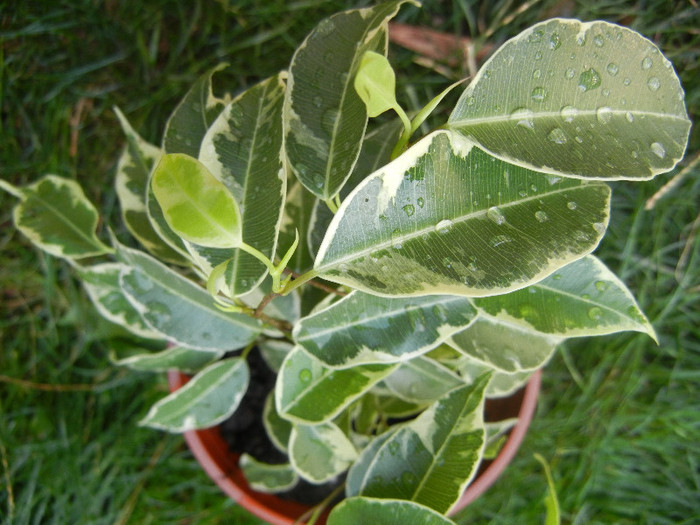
{"x": 353, "y": 511}
{"x": 180, "y": 358}
{"x": 320, "y": 452}
{"x": 265, "y": 477}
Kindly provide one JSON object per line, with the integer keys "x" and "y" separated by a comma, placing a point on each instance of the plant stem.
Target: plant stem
{"x": 296, "y": 283}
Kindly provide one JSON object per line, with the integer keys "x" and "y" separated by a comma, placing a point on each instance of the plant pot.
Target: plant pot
{"x": 213, "y": 454}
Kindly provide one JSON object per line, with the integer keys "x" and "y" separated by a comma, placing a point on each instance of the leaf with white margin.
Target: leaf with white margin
{"x": 274, "y": 351}
{"x": 502, "y": 384}
{"x": 277, "y": 428}
{"x": 309, "y": 392}
{"x": 505, "y": 346}
{"x": 583, "y": 298}
{"x": 243, "y": 149}
{"x": 206, "y": 400}
{"x": 131, "y": 182}
{"x": 363, "y": 328}
{"x": 192, "y": 117}
{"x": 179, "y": 309}
{"x": 391, "y": 406}
{"x": 422, "y": 380}
{"x": 318, "y": 453}
{"x": 297, "y": 218}
{"x": 383, "y": 511}
{"x": 324, "y": 117}
{"x": 56, "y": 216}
{"x": 101, "y": 282}
{"x": 180, "y": 358}
{"x": 446, "y": 217}
{"x": 592, "y": 100}
{"x": 429, "y": 460}
{"x": 267, "y": 478}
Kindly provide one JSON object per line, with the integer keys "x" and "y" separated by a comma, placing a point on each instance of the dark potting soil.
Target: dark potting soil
{"x": 244, "y": 432}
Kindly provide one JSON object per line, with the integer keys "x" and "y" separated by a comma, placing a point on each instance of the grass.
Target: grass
{"x": 618, "y": 419}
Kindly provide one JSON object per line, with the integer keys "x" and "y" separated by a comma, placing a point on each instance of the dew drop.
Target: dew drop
{"x": 598, "y": 41}
{"x": 599, "y": 227}
{"x": 601, "y": 286}
{"x": 444, "y": 226}
{"x": 557, "y": 136}
{"x": 629, "y": 116}
{"x": 588, "y": 80}
{"x": 595, "y": 313}
{"x": 393, "y": 448}
{"x": 523, "y": 117}
{"x": 569, "y": 74}
{"x": 318, "y": 101}
{"x": 568, "y": 113}
{"x": 554, "y": 41}
{"x": 653, "y": 83}
{"x": 581, "y": 40}
{"x": 541, "y": 216}
{"x": 500, "y": 239}
{"x": 305, "y": 375}
{"x": 410, "y": 209}
{"x": 495, "y": 215}
{"x": 627, "y": 81}
{"x": 571, "y": 205}
{"x": 556, "y": 276}
{"x": 613, "y": 69}
{"x": 604, "y": 114}
{"x": 447, "y": 262}
{"x": 420, "y": 202}
{"x": 647, "y": 63}
{"x": 535, "y": 36}
{"x": 538, "y": 56}
{"x": 537, "y": 73}
{"x": 658, "y": 149}
{"x": 538, "y": 94}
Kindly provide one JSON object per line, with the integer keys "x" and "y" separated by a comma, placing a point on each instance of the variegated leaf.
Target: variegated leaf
{"x": 363, "y": 328}
{"x": 297, "y": 219}
{"x": 278, "y": 429}
{"x": 353, "y": 511}
{"x": 582, "y": 298}
{"x": 205, "y": 401}
{"x": 318, "y": 453}
{"x": 592, "y": 100}
{"x": 445, "y": 217}
{"x": 502, "y": 384}
{"x": 185, "y": 360}
{"x": 267, "y": 478}
{"x": 274, "y": 351}
{"x": 309, "y": 392}
{"x": 422, "y": 380}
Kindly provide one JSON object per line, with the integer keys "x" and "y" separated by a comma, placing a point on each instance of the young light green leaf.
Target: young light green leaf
{"x": 375, "y": 82}
{"x": 267, "y": 478}
{"x": 353, "y": 511}
{"x": 563, "y": 89}
{"x": 363, "y": 328}
{"x": 429, "y": 460}
{"x": 243, "y": 150}
{"x": 278, "y": 429}
{"x": 101, "y": 282}
{"x": 445, "y": 217}
{"x": 196, "y": 205}
{"x": 180, "y": 358}
{"x": 56, "y": 216}
{"x": 582, "y": 298}
{"x": 324, "y": 118}
{"x": 193, "y": 116}
{"x": 179, "y": 309}
{"x": 422, "y": 380}
{"x": 205, "y": 401}
{"x": 318, "y": 453}
{"x": 309, "y": 392}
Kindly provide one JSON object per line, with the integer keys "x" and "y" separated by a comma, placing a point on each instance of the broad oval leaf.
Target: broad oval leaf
{"x": 592, "y": 100}
{"x": 56, "y": 216}
{"x": 356, "y": 510}
{"x": 309, "y": 392}
{"x": 277, "y": 428}
{"x": 364, "y": 328}
{"x": 375, "y": 82}
{"x": 582, "y": 298}
{"x": 422, "y": 380}
{"x": 181, "y": 311}
{"x": 180, "y": 358}
{"x": 446, "y": 217}
{"x": 318, "y": 453}
{"x": 324, "y": 117}
{"x": 502, "y": 384}
{"x": 196, "y": 206}
{"x": 267, "y": 478}
{"x": 205, "y": 401}
{"x": 429, "y": 460}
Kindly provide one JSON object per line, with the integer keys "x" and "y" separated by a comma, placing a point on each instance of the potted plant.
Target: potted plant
{"x": 390, "y": 283}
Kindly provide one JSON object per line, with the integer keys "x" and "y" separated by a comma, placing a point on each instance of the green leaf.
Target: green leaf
{"x": 189, "y": 122}
{"x": 324, "y": 117}
{"x": 180, "y": 310}
{"x": 592, "y": 100}
{"x": 277, "y": 428}
{"x": 356, "y": 510}
{"x": 243, "y": 150}
{"x": 56, "y": 216}
{"x": 582, "y": 298}
{"x": 180, "y": 358}
{"x": 375, "y": 82}
{"x": 101, "y": 282}
{"x": 308, "y": 392}
{"x": 502, "y": 384}
{"x": 422, "y": 380}
{"x": 196, "y": 205}
{"x": 206, "y": 400}
{"x": 429, "y": 460}
{"x": 131, "y": 182}
{"x": 553, "y": 516}
{"x": 363, "y": 328}
{"x": 267, "y": 478}
{"x": 318, "y": 453}
{"x": 297, "y": 218}
{"x": 445, "y": 217}
{"x": 274, "y": 351}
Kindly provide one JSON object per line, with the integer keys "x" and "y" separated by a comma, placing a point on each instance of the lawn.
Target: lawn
{"x": 618, "y": 419}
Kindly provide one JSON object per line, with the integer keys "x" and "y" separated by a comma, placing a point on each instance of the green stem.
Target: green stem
{"x": 296, "y": 283}
{"x": 331, "y": 205}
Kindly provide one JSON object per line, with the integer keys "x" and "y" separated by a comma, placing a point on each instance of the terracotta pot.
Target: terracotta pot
{"x": 212, "y": 452}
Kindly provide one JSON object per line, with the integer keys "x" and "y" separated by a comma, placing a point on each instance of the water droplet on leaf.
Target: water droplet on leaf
{"x": 495, "y": 215}
{"x": 647, "y": 63}
{"x": 568, "y": 113}
{"x": 571, "y": 205}
{"x": 538, "y": 94}
{"x": 554, "y": 41}
{"x": 588, "y": 80}
{"x": 658, "y": 149}
{"x": 523, "y": 117}
{"x": 569, "y": 73}
{"x": 604, "y": 114}
{"x": 595, "y": 313}
{"x": 499, "y": 240}
{"x": 602, "y": 285}
{"x": 613, "y": 69}
{"x": 557, "y": 136}
{"x": 653, "y": 83}
{"x": 541, "y": 216}
{"x": 410, "y": 209}
{"x": 305, "y": 375}
{"x": 444, "y": 226}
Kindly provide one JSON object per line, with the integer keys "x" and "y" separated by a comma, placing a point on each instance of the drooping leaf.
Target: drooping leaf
{"x": 445, "y": 217}
{"x": 582, "y": 298}
{"x": 189, "y": 122}
{"x": 324, "y": 117}
{"x": 375, "y": 82}
{"x": 364, "y": 328}
{"x": 101, "y": 282}
{"x": 205, "y": 401}
{"x": 309, "y": 392}
{"x": 592, "y": 100}
{"x": 196, "y": 206}
{"x": 131, "y": 182}
{"x": 422, "y": 380}
{"x": 429, "y": 460}
{"x": 318, "y": 453}
{"x": 267, "y": 478}
{"x": 56, "y": 216}
{"x": 353, "y": 511}
{"x": 185, "y": 360}
{"x": 243, "y": 149}
{"x": 179, "y": 309}
{"x": 278, "y": 429}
